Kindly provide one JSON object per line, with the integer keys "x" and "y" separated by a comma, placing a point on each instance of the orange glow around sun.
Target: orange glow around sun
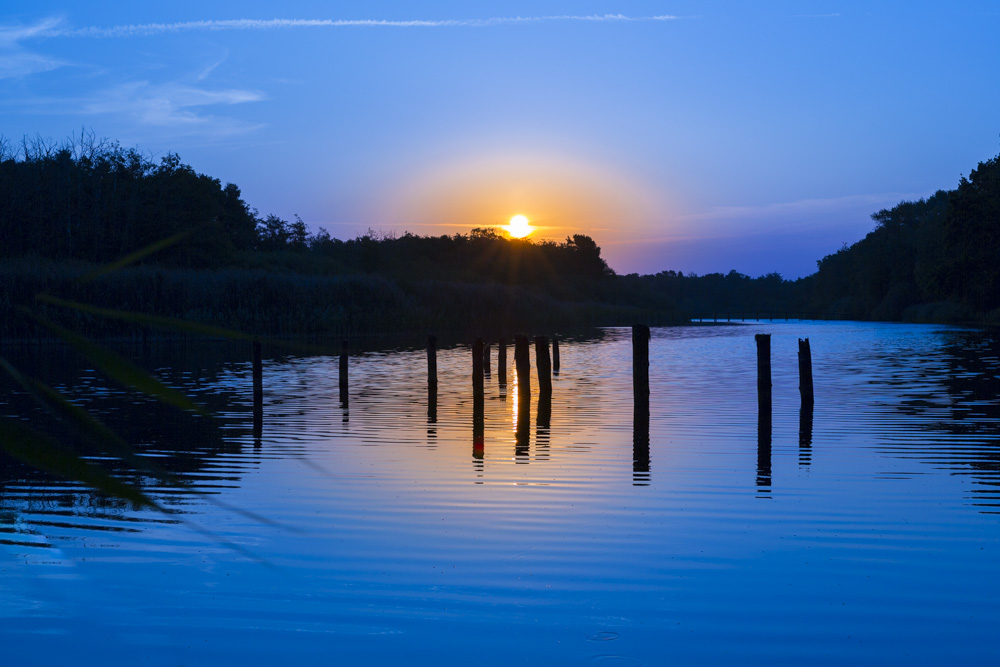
{"x": 552, "y": 196}
{"x": 519, "y": 227}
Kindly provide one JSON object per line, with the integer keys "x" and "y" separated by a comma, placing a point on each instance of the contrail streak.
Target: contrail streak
{"x": 277, "y": 24}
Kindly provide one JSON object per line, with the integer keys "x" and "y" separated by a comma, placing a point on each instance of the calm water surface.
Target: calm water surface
{"x": 394, "y": 531}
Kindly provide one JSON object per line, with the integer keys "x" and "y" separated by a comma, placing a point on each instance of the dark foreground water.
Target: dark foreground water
{"x": 866, "y": 533}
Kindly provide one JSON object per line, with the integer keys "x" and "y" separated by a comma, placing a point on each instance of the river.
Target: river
{"x": 394, "y": 530}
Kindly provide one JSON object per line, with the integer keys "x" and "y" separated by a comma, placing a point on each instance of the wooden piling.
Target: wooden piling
{"x": 543, "y": 364}
{"x": 258, "y": 391}
{"x": 555, "y": 355}
{"x": 522, "y": 364}
{"x": 805, "y": 372}
{"x": 763, "y": 367}
{"x": 343, "y": 372}
{"x": 486, "y": 358}
{"x": 640, "y": 363}
{"x": 432, "y": 362}
{"x": 502, "y": 362}
{"x": 258, "y": 375}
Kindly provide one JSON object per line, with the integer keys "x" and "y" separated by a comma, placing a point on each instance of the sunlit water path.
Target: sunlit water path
{"x": 869, "y": 533}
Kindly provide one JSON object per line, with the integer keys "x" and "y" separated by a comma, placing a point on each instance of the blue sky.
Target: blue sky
{"x": 696, "y": 136}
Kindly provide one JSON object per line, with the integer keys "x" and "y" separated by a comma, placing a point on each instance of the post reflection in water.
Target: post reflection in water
{"x": 764, "y": 449}
{"x": 522, "y": 433}
{"x": 502, "y": 367}
{"x": 432, "y": 405}
{"x": 478, "y": 430}
{"x": 258, "y": 422}
{"x": 805, "y": 433}
{"x": 640, "y": 405}
{"x": 432, "y": 415}
{"x": 543, "y": 424}
{"x": 478, "y": 403}
{"x": 522, "y": 420}
{"x": 640, "y": 444}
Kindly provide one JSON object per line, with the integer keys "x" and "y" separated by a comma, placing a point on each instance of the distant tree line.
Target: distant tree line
{"x": 935, "y": 259}
{"x": 931, "y": 260}
{"x": 730, "y": 295}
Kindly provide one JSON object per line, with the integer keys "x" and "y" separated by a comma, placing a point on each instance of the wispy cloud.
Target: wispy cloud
{"x": 208, "y": 69}
{"x": 15, "y": 61}
{"x": 178, "y": 107}
{"x": 14, "y": 65}
{"x": 136, "y": 30}
{"x": 802, "y": 210}
{"x": 12, "y": 35}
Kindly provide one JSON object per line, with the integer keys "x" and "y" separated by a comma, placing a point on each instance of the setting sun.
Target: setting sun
{"x": 519, "y": 227}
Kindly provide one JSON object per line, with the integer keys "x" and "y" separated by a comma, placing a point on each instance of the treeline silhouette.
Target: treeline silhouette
{"x": 730, "y": 295}
{"x": 931, "y": 260}
{"x": 935, "y": 259}
{"x": 66, "y": 208}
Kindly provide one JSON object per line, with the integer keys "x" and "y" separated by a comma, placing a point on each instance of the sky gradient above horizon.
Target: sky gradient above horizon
{"x": 696, "y": 136}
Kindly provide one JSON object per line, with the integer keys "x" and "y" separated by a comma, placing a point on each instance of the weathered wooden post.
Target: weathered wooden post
{"x": 258, "y": 391}
{"x": 544, "y": 364}
{"x": 502, "y": 362}
{"x": 477, "y": 368}
{"x": 343, "y": 372}
{"x": 555, "y": 355}
{"x": 640, "y": 365}
{"x": 258, "y": 375}
{"x": 522, "y": 364}
{"x": 432, "y": 362}
{"x": 486, "y": 358}
{"x": 805, "y": 372}
{"x": 764, "y": 369}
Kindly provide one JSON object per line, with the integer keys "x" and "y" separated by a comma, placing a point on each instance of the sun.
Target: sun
{"x": 519, "y": 227}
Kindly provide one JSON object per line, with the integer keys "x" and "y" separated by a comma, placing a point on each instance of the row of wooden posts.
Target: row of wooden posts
{"x": 546, "y": 365}
{"x": 764, "y": 370}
